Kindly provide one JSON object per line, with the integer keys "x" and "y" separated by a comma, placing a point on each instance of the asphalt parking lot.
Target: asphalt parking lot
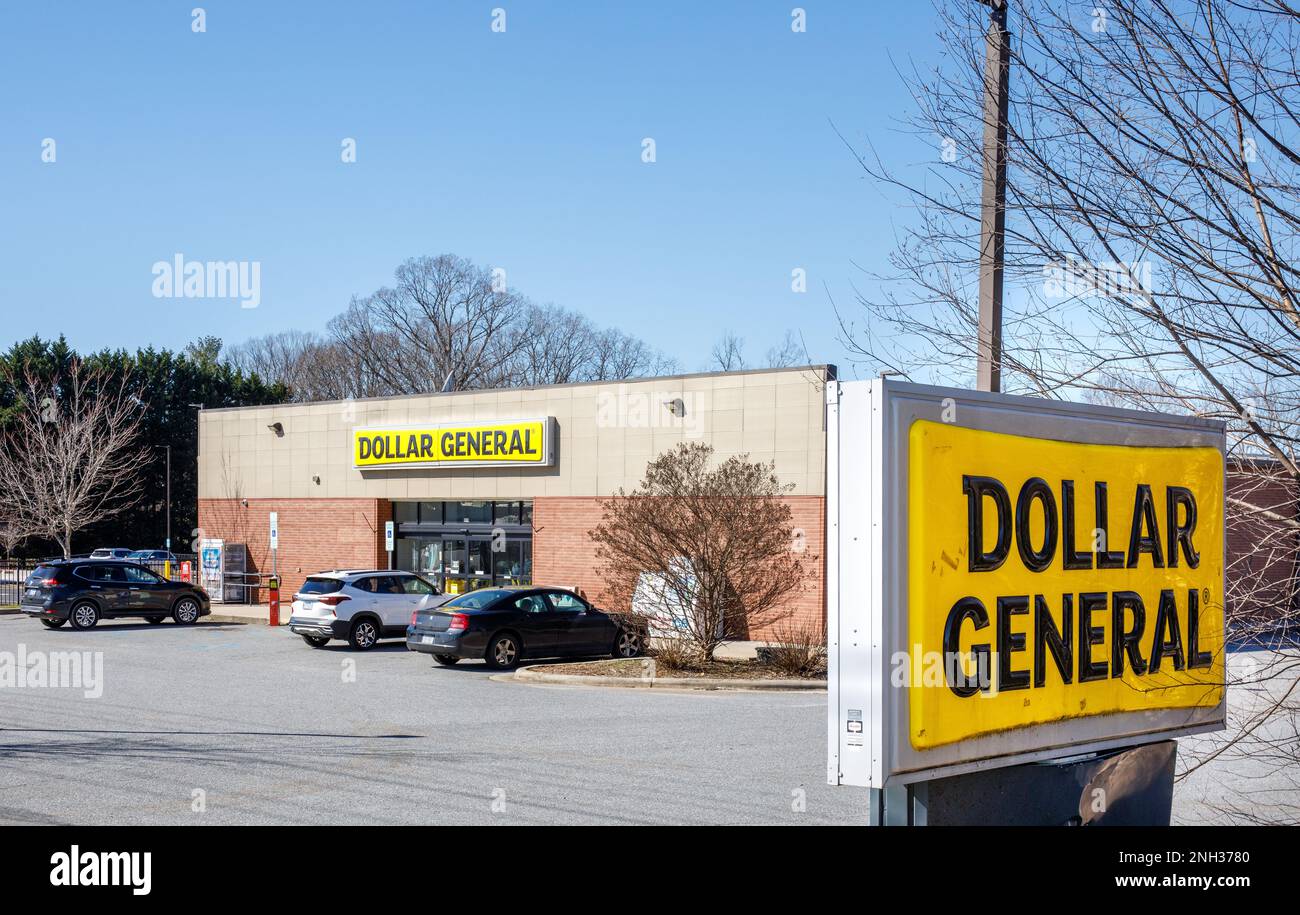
{"x": 233, "y": 724}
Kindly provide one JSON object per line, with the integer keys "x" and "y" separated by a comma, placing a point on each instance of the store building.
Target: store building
{"x": 492, "y": 487}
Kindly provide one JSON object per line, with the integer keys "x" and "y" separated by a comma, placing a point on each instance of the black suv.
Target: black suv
{"x": 88, "y": 590}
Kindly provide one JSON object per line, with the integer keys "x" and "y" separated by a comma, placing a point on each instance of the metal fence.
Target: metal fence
{"x": 14, "y": 573}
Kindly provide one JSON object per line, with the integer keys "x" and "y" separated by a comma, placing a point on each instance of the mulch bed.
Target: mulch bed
{"x": 714, "y": 670}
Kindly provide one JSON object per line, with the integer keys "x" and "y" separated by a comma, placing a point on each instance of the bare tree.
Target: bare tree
{"x": 13, "y": 531}
{"x": 790, "y": 352}
{"x": 1153, "y": 228}
{"x": 715, "y": 543}
{"x": 445, "y": 317}
{"x": 556, "y": 346}
{"x": 442, "y": 318}
{"x": 728, "y": 353}
{"x": 71, "y": 456}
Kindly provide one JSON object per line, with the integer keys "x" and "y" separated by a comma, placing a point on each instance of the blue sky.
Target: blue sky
{"x": 519, "y": 149}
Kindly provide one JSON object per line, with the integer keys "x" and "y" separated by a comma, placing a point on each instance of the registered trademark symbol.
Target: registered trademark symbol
{"x": 1205, "y": 596}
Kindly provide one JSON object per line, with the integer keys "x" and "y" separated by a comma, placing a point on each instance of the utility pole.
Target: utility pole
{"x": 168, "y": 449}
{"x": 993, "y": 200}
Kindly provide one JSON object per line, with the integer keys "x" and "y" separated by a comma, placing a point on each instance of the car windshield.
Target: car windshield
{"x": 319, "y": 585}
{"x": 139, "y": 554}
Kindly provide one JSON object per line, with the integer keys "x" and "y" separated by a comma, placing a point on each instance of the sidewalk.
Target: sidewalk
{"x": 246, "y": 613}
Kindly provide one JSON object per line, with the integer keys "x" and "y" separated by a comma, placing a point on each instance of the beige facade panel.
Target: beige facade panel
{"x": 606, "y": 433}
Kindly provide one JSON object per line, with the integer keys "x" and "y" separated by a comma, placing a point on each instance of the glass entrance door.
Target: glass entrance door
{"x": 461, "y": 546}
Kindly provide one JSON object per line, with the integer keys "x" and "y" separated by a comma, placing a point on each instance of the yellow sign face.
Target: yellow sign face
{"x": 474, "y": 444}
{"x": 1051, "y": 580}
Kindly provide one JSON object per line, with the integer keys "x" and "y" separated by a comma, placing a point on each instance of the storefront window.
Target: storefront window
{"x": 526, "y": 513}
{"x": 468, "y": 512}
{"x": 505, "y": 513}
{"x": 431, "y": 513}
{"x": 404, "y": 512}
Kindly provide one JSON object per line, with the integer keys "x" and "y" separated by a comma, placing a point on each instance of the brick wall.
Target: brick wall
{"x": 563, "y": 554}
{"x": 315, "y": 534}
{"x": 1262, "y": 551}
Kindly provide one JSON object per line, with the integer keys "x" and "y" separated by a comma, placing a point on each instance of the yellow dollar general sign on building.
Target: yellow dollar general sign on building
{"x": 485, "y": 444}
{"x": 1057, "y": 580}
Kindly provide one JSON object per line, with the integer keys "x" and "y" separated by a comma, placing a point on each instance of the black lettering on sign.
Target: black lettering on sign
{"x": 381, "y": 447}
{"x": 1038, "y": 560}
{"x": 516, "y": 444}
{"x": 499, "y": 441}
{"x": 968, "y": 608}
{"x": 365, "y": 448}
{"x": 1106, "y": 558}
{"x": 1090, "y": 635}
{"x": 426, "y": 446}
{"x": 1180, "y": 532}
{"x": 1070, "y": 557}
{"x": 412, "y": 445}
{"x": 1198, "y": 658}
{"x": 448, "y": 445}
{"x": 1048, "y": 638}
{"x": 1144, "y": 536}
{"x": 472, "y": 443}
{"x": 976, "y": 490}
{"x": 1010, "y": 642}
{"x": 460, "y": 444}
{"x": 1126, "y": 641}
{"x": 1166, "y": 621}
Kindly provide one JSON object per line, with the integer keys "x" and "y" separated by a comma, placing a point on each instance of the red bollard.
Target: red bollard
{"x": 274, "y": 588}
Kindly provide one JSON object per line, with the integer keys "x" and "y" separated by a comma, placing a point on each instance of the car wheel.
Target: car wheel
{"x": 186, "y": 611}
{"x": 52, "y": 624}
{"x": 627, "y": 644}
{"x": 84, "y": 615}
{"x": 316, "y": 641}
{"x": 364, "y": 634}
{"x": 446, "y": 660}
{"x": 503, "y": 651}
{"x": 155, "y": 620}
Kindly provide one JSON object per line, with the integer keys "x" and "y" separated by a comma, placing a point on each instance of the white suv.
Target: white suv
{"x": 362, "y": 606}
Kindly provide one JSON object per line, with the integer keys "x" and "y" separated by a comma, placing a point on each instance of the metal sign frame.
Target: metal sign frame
{"x": 867, "y": 578}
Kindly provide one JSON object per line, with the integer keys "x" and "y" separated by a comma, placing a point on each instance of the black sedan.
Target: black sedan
{"x": 84, "y": 591}
{"x": 504, "y": 625}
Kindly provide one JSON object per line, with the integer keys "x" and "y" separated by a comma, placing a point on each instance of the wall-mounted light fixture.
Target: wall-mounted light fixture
{"x": 277, "y": 428}
{"x": 316, "y": 480}
{"x": 676, "y": 406}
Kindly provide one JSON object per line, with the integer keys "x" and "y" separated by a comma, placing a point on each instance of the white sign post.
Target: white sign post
{"x": 389, "y": 533}
{"x": 275, "y": 542}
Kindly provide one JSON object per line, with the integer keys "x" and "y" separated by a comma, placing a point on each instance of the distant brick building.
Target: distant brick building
{"x": 1263, "y": 544}
{"x": 494, "y": 487}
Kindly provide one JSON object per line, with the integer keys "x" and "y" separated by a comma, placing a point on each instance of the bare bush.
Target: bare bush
{"x": 798, "y": 647}
{"x": 712, "y": 547}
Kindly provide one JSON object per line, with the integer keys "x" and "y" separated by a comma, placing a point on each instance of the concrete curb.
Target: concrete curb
{"x": 246, "y": 620}
{"x": 533, "y": 675}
